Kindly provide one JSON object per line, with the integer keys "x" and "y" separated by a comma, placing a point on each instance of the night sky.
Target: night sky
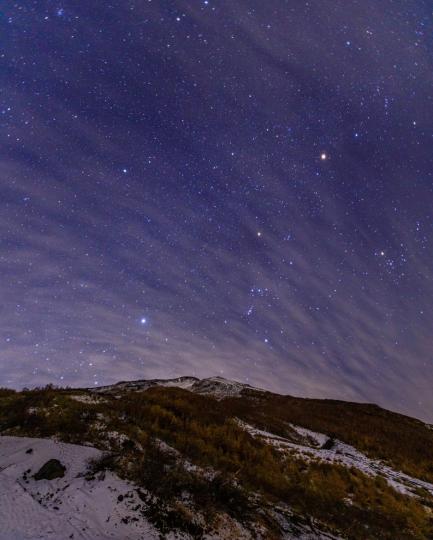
{"x": 225, "y": 187}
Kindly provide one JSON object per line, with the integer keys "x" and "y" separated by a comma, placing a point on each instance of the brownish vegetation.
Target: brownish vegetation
{"x": 237, "y": 474}
{"x": 403, "y": 442}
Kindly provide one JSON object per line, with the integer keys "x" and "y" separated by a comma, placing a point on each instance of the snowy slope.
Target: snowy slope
{"x": 340, "y": 453}
{"x": 218, "y": 387}
{"x": 104, "y": 508}
{"x": 65, "y": 508}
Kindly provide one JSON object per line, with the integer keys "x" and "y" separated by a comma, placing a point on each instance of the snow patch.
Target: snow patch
{"x": 64, "y": 508}
{"x": 342, "y": 454}
{"x": 88, "y": 399}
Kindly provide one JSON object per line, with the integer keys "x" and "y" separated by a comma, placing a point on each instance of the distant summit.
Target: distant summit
{"x": 218, "y": 387}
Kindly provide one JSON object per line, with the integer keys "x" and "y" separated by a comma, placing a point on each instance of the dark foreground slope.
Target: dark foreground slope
{"x": 217, "y": 457}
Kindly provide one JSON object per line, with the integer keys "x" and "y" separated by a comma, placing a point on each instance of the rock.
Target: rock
{"x": 50, "y": 470}
{"x": 329, "y": 444}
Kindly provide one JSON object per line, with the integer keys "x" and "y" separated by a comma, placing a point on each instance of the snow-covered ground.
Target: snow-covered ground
{"x": 341, "y": 453}
{"x": 64, "y": 508}
{"x": 73, "y": 507}
{"x": 102, "y": 508}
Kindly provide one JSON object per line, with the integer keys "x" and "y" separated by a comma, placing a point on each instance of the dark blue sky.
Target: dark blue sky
{"x": 241, "y": 188}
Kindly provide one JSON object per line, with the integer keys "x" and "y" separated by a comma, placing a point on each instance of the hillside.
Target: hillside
{"x": 209, "y": 458}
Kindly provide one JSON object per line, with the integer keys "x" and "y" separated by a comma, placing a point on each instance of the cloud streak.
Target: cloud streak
{"x": 141, "y": 159}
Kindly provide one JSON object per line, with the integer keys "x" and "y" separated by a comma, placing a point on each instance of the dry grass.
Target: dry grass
{"x": 203, "y": 432}
{"x": 403, "y": 442}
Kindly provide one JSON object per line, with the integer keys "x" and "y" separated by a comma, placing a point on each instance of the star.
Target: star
{"x": 323, "y": 156}
{"x": 143, "y": 320}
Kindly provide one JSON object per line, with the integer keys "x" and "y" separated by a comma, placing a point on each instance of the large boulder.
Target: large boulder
{"x": 50, "y": 470}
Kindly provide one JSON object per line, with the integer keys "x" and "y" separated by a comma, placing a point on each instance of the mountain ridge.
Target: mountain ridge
{"x": 216, "y": 385}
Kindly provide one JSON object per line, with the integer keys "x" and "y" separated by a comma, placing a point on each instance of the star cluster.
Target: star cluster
{"x": 216, "y": 187}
